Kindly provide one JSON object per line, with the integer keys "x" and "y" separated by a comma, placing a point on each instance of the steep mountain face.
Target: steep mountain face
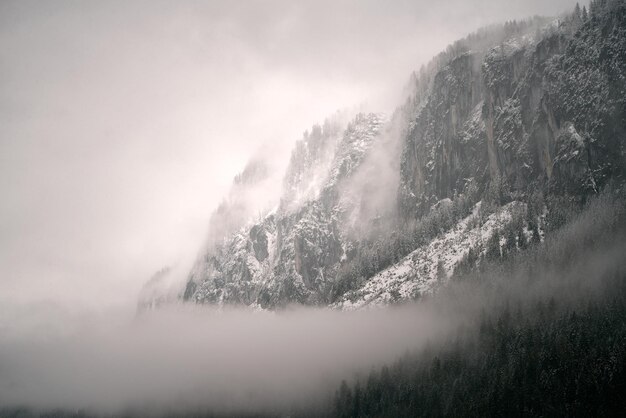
{"x": 500, "y": 133}
{"x": 291, "y": 255}
{"x": 544, "y": 106}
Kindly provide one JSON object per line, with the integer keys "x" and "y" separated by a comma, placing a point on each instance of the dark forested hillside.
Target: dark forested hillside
{"x": 548, "y": 337}
{"x": 548, "y": 364}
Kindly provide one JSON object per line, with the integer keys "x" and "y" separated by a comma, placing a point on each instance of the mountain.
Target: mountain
{"x": 292, "y": 253}
{"x": 501, "y": 138}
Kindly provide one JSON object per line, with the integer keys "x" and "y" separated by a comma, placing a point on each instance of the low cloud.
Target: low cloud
{"x": 189, "y": 357}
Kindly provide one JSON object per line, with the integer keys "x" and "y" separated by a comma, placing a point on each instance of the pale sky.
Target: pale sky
{"x": 123, "y": 123}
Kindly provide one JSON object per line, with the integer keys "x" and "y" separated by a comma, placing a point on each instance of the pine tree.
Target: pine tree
{"x": 441, "y": 273}
{"x": 511, "y": 240}
{"x": 521, "y": 239}
{"x": 593, "y": 8}
{"x": 493, "y": 246}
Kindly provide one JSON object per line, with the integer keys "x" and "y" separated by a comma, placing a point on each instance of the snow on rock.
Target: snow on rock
{"x": 292, "y": 254}
{"x": 417, "y": 273}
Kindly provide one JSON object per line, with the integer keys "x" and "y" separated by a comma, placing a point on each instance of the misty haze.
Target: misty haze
{"x": 312, "y": 209}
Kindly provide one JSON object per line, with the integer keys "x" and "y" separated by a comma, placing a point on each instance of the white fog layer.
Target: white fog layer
{"x": 188, "y": 357}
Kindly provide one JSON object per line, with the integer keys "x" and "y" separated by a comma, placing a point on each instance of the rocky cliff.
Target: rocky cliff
{"x": 543, "y": 107}
{"x": 292, "y": 254}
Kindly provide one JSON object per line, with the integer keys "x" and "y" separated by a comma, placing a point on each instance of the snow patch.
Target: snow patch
{"x": 417, "y": 273}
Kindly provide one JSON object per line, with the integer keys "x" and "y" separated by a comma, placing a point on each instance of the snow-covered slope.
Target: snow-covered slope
{"x": 430, "y": 266}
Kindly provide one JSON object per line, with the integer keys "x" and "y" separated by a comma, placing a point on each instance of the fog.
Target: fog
{"x": 187, "y": 358}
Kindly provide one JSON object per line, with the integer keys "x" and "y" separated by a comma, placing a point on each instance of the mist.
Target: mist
{"x": 186, "y": 358}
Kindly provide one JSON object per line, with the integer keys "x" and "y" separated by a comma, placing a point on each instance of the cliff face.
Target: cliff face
{"x": 546, "y": 106}
{"x": 381, "y": 210}
{"x": 446, "y": 143}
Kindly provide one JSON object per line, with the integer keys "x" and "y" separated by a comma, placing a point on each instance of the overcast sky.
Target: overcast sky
{"x": 123, "y": 123}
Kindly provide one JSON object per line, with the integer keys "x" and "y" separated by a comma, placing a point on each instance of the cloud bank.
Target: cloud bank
{"x": 186, "y": 358}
